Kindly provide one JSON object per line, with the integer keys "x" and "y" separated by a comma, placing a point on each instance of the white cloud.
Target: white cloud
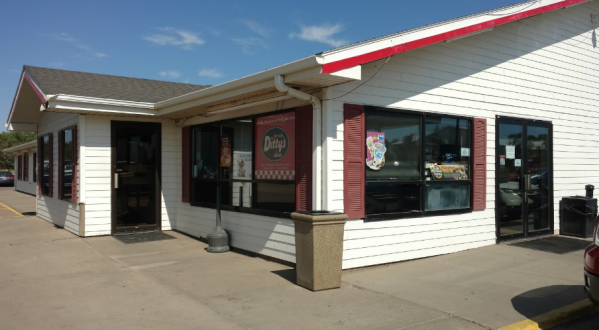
{"x": 211, "y": 73}
{"x": 323, "y": 33}
{"x": 176, "y": 37}
{"x": 64, "y": 37}
{"x": 68, "y": 38}
{"x": 248, "y": 44}
{"x": 257, "y": 28}
{"x": 170, "y": 74}
{"x": 92, "y": 52}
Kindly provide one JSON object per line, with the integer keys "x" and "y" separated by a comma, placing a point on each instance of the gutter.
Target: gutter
{"x": 316, "y": 137}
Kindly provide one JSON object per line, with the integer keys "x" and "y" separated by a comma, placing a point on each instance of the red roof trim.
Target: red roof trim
{"x": 35, "y": 89}
{"x": 389, "y": 51}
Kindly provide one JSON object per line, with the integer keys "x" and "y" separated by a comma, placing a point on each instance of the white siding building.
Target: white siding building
{"x": 484, "y": 123}
{"x": 24, "y": 168}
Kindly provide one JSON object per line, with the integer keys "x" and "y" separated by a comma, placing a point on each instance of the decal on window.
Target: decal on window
{"x": 375, "y": 146}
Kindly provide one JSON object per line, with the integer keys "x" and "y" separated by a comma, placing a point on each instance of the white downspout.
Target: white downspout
{"x": 316, "y": 137}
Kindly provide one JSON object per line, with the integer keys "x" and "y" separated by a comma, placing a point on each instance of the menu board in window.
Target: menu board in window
{"x": 275, "y": 147}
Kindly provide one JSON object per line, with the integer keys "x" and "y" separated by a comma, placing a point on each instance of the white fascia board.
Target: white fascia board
{"x": 82, "y": 108}
{"x": 300, "y": 65}
{"x": 22, "y": 127}
{"x": 217, "y": 97}
{"x": 354, "y": 73}
{"x": 22, "y": 147}
{"x": 64, "y": 98}
{"x": 428, "y": 31}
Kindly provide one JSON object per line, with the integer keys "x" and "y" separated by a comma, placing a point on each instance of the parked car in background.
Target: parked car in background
{"x": 7, "y": 179}
{"x": 591, "y": 268}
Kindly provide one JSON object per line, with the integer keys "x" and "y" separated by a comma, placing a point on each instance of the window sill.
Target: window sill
{"x": 412, "y": 215}
{"x": 267, "y": 213}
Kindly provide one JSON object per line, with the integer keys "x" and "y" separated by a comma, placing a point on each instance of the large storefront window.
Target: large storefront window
{"x": 416, "y": 163}
{"x": 251, "y": 161}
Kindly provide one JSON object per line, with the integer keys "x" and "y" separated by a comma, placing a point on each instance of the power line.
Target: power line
{"x": 377, "y": 71}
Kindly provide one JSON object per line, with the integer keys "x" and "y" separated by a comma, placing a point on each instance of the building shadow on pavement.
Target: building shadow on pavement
{"x": 543, "y": 300}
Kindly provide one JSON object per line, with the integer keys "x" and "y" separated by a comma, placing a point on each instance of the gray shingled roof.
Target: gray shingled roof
{"x": 53, "y": 81}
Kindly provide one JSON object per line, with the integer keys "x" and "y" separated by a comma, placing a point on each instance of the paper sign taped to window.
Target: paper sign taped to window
{"x": 510, "y": 152}
{"x": 518, "y": 162}
{"x": 465, "y": 152}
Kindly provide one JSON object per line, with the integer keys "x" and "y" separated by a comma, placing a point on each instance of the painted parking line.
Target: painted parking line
{"x": 555, "y": 317}
{"x": 5, "y": 207}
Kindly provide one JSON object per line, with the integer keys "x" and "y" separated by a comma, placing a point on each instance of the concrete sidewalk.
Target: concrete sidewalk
{"x": 52, "y": 279}
{"x": 20, "y": 202}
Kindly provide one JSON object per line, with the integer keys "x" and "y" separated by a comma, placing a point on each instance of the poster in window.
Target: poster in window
{"x": 242, "y": 165}
{"x": 375, "y": 150}
{"x": 450, "y": 172}
{"x": 275, "y": 147}
{"x": 225, "y": 152}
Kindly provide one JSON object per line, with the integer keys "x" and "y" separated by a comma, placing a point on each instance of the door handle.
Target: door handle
{"x": 116, "y": 181}
{"x": 527, "y": 183}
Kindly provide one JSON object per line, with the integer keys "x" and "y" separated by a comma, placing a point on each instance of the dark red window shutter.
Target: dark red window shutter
{"x": 40, "y": 164}
{"x": 74, "y": 190}
{"x": 354, "y": 158}
{"x": 185, "y": 164}
{"x": 303, "y": 158}
{"x": 60, "y": 164}
{"x": 19, "y": 167}
{"x": 479, "y": 173}
{"x": 26, "y": 167}
{"x": 51, "y": 164}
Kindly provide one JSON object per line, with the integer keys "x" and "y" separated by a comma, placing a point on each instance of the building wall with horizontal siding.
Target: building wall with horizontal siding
{"x": 544, "y": 68}
{"x": 98, "y": 162}
{"x": 25, "y": 186}
{"x": 60, "y": 212}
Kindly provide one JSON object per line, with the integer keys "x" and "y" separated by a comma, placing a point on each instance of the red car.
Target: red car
{"x": 591, "y": 268}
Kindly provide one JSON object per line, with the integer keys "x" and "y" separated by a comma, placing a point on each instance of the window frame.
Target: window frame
{"x": 19, "y": 167}
{"x": 34, "y": 163}
{"x": 40, "y": 165}
{"x": 422, "y": 181}
{"x": 26, "y": 166}
{"x": 61, "y": 160}
{"x": 253, "y": 181}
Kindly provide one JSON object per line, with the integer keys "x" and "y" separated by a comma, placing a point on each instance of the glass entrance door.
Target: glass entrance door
{"x": 135, "y": 177}
{"x": 524, "y": 183}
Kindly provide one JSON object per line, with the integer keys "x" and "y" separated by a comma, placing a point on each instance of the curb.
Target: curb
{"x": 555, "y": 317}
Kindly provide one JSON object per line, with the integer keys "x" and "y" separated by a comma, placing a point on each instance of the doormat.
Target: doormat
{"x": 555, "y": 244}
{"x": 143, "y": 237}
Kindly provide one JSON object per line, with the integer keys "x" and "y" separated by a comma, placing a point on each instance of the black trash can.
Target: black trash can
{"x": 577, "y": 216}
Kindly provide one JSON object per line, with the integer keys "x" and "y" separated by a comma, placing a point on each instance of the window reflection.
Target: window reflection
{"x": 402, "y": 144}
{"x": 447, "y": 149}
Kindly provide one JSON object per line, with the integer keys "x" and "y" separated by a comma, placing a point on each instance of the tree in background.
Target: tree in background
{"x": 12, "y": 139}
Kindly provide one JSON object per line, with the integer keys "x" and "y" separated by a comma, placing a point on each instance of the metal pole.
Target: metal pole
{"x": 218, "y": 240}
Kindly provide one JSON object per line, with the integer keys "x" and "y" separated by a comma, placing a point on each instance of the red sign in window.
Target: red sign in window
{"x": 275, "y": 147}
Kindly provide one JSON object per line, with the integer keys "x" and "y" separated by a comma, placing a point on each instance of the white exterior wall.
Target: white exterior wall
{"x": 98, "y": 173}
{"x": 59, "y": 212}
{"x": 28, "y": 186}
{"x": 544, "y": 67}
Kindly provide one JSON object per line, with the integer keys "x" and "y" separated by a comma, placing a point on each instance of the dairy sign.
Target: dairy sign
{"x": 275, "y": 147}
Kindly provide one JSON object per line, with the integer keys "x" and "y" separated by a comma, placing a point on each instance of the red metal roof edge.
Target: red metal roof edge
{"x": 401, "y": 48}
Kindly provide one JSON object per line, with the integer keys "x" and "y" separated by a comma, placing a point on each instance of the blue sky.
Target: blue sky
{"x": 198, "y": 42}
